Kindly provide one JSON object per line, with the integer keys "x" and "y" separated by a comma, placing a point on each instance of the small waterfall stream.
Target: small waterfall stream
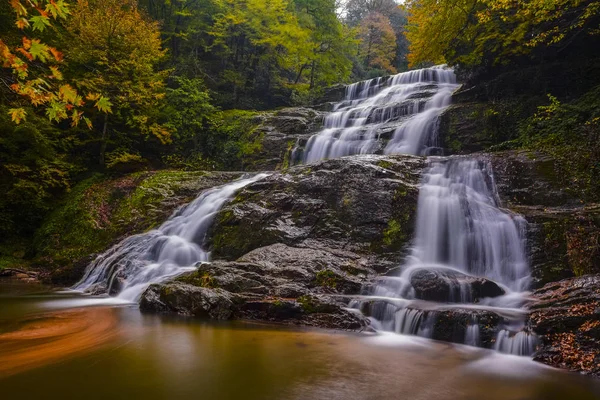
{"x": 138, "y": 261}
{"x": 468, "y": 257}
{"x": 402, "y": 109}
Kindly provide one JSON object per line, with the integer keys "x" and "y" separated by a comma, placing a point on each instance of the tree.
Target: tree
{"x": 327, "y": 58}
{"x": 493, "y": 32}
{"x": 378, "y": 42}
{"x": 115, "y": 50}
{"x": 35, "y": 66}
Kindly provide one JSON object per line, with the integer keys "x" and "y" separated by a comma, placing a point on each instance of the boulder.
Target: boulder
{"x": 452, "y": 286}
{"x": 281, "y": 131}
{"x": 176, "y": 297}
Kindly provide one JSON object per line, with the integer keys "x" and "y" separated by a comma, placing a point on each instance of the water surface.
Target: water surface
{"x": 48, "y": 350}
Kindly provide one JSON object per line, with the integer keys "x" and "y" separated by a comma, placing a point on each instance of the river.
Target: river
{"x": 52, "y": 348}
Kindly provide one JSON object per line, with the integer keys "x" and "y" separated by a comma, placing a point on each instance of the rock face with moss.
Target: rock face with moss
{"x": 563, "y": 240}
{"x": 99, "y": 212}
{"x": 289, "y": 247}
{"x": 279, "y": 133}
{"x": 563, "y": 231}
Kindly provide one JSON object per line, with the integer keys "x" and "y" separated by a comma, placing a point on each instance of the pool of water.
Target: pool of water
{"x": 53, "y": 348}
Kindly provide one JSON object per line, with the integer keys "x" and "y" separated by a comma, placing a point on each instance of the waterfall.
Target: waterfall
{"x": 138, "y": 261}
{"x": 405, "y": 106}
{"x": 468, "y": 256}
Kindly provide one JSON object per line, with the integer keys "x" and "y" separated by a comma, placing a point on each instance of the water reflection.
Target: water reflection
{"x": 121, "y": 353}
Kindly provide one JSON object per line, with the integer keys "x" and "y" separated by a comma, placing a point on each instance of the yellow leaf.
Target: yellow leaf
{"x": 17, "y": 115}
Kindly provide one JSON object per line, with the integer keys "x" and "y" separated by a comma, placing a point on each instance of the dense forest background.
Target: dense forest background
{"x": 112, "y": 86}
{"x": 109, "y": 87}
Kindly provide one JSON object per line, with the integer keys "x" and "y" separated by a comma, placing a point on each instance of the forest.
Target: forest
{"x": 123, "y": 85}
{"x": 288, "y": 199}
{"x": 117, "y": 86}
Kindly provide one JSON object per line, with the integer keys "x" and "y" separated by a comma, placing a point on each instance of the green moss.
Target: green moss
{"x": 385, "y": 164}
{"x": 98, "y": 211}
{"x": 200, "y": 278}
{"x": 308, "y": 303}
{"x": 288, "y": 154}
{"x": 326, "y": 278}
{"x": 393, "y": 233}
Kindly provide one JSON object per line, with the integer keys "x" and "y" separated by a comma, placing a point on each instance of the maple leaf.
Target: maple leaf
{"x": 17, "y": 115}
{"x": 26, "y": 43}
{"x": 56, "y": 111}
{"x": 58, "y": 56}
{"x": 88, "y": 122}
{"x": 39, "y": 50}
{"x": 103, "y": 104}
{"x": 56, "y": 74}
{"x": 68, "y": 94}
{"x": 92, "y": 96}
{"x": 18, "y": 7}
{"x": 25, "y": 53}
{"x": 76, "y": 117}
{"x": 39, "y": 22}
{"x": 22, "y": 23}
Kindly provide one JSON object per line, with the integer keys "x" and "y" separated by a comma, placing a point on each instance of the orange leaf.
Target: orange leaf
{"x": 58, "y": 56}
{"x": 22, "y": 23}
{"x": 25, "y": 53}
{"x": 26, "y": 43}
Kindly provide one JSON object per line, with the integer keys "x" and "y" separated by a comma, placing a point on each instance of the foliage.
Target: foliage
{"x": 34, "y": 66}
{"x": 115, "y": 50}
{"x": 492, "y": 32}
{"x": 32, "y": 173}
{"x": 378, "y": 42}
{"x": 570, "y": 133}
{"x": 359, "y": 12}
{"x": 327, "y": 278}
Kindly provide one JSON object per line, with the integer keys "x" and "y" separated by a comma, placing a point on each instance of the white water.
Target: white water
{"x": 460, "y": 228}
{"x": 408, "y": 104}
{"x": 129, "y": 267}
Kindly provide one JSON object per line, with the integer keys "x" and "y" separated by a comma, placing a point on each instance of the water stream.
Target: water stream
{"x": 400, "y": 110}
{"x": 468, "y": 258}
{"x": 175, "y": 247}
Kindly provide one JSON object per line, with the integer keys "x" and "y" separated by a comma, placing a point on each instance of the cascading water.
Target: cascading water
{"x": 406, "y": 105}
{"x": 170, "y": 250}
{"x": 467, "y": 246}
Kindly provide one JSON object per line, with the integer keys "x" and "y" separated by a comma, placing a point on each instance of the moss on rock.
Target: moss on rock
{"x": 99, "y": 211}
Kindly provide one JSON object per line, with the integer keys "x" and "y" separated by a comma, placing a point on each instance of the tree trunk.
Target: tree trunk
{"x": 101, "y": 158}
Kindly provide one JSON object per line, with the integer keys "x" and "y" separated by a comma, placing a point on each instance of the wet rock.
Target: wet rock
{"x": 451, "y": 325}
{"x": 364, "y": 204}
{"x": 176, "y": 297}
{"x": 452, "y": 286}
{"x": 563, "y": 235}
{"x": 566, "y": 317}
{"x": 526, "y": 178}
{"x": 291, "y": 246}
{"x": 277, "y": 283}
{"x": 281, "y": 131}
{"x": 435, "y": 321}
{"x": 466, "y": 128}
{"x": 99, "y": 213}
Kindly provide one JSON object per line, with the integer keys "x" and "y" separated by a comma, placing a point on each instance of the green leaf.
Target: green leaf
{"x": 57, "y": 111}
{"x": 39, "y": 50}
{"x": 104, "y": 105}
{"x": 39, "y": 22}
